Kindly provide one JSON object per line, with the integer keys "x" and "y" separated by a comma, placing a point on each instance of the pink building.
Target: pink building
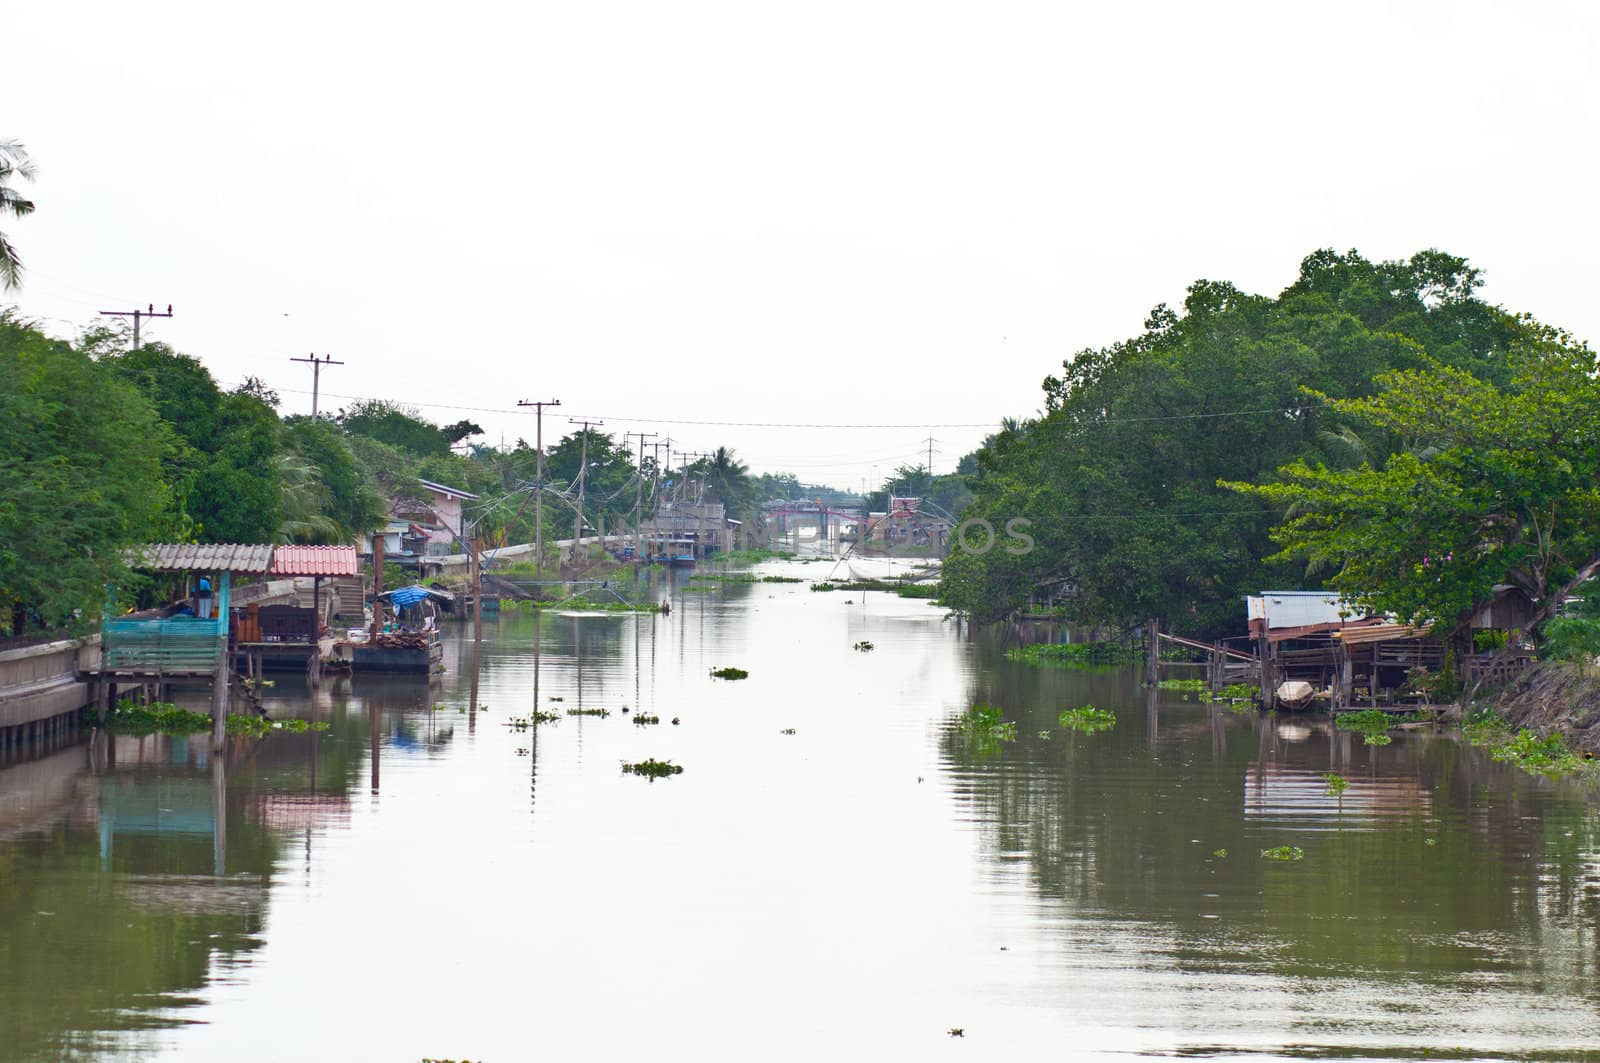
{"x": 427, "y": 526}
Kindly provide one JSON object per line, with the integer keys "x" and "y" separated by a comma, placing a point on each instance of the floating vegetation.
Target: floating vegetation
{"x": 299, "y": 727}
{"x": 753, "y": 554}
{"x": 740, "y": 577}
{"x": 1284, "y": 852}
{"x": 1541, "y": 756}
{"x": 588, "y": 605}
{"x": 927, "y": 591}
{"x": 729, "y": 673}
{"x": 1220, "y": 854}
{"x": 1337, "y": 784}
{"x": 652, "y": 768}
{"x": 589, "y": 712}
{"x": 1043, "y": 735}
{"x": 864, "y": 646}
{"x": 984, "y": 728}
{"x": 165, "y": 718}
{"x": 644, "y": 718}
{"x": 1088, "y": 719}
{"x": 1234, "y": 693}
{"x": 1188, "y": 686}
{"x": 1373, "y": 724}
{"x": 522, "y": 723}
{"x": 858, "y": 585}
{"x": 1074, "y": 654}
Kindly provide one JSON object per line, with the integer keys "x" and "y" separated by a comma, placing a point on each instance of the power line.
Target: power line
{"x": 1298, "y": 408}
{"x": 137, "y": 314}
{"x": 316, "y": 376}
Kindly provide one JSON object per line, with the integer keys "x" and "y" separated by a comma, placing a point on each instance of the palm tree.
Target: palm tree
{"x": 304, "y": 499}
{"x": 13, "y": 160}
{"x": 727, "y": 479}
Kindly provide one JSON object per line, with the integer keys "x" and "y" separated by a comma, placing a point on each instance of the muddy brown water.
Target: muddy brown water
{"x": 422, "y": 880}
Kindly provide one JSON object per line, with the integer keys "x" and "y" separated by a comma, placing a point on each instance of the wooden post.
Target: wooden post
{"x": 1153, "y": 663}
{"x": 477, "y": 589}
{"x": 1372, "y": 680}
{"x": 1269, "y": 675}
{"x": 1346, "y": 677}
{"x": 219, "y": 679}
{"x": 377, "y": 583}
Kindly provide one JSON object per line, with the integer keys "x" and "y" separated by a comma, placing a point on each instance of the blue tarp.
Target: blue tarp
{"x": 407, "y": 596}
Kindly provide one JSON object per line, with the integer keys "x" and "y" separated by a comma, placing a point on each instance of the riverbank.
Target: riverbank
{"x": 1555, "y": 697}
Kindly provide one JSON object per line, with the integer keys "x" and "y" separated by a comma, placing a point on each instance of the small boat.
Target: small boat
{"x": 1295, "y": 692}
{"x": 410, "y": 644}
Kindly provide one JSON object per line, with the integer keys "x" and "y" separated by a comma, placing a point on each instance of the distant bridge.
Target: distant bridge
{"x": 808, "y": 513}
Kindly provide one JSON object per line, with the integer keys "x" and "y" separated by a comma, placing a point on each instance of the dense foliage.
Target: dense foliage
{"x": 1120, "y": 475}
{"x": 82, "y": 458}
{"x": 1482, "y": 485}
{"x": 106, "y": 447}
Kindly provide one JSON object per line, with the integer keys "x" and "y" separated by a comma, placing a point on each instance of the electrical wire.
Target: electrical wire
{"x": 884, "y": 425}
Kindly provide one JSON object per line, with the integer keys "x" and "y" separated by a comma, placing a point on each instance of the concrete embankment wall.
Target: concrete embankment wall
{"x": 40, "y": 692}
{"x": 40, "y": 688}
{"x": 38, "y": 682}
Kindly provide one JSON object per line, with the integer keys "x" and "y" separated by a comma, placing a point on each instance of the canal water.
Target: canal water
{"x": 838, "y": 873}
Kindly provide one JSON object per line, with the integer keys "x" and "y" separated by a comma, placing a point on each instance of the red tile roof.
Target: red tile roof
{"x": 315, "y": 561}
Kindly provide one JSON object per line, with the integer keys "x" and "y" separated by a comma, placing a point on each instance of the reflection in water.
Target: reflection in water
{"x": 849, "y": 890}
{"x": 1430, "y": 907}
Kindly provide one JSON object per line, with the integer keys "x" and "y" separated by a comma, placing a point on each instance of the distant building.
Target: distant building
{"x": 428, "y": 526}
{"x": 905, "y": 525}
{"x": 683, "y": 531}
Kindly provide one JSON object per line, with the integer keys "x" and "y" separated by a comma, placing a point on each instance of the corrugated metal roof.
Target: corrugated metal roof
{"x": 446, "y": 489}
{"x": 1304, "y": 608}
{"x": 1382, "y": 633}
{"x": 315, "y": 561}
{"x": 203, "y": 557}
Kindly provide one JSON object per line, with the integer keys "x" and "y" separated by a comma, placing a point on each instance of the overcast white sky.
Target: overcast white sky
{"x": 861, "y": 213}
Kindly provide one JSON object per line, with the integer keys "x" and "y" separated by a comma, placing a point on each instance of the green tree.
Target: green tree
{"x": 610, "y": 485}
{"x": 1493, "y": 484}
{"x": 81, "y": 455}
{"x": 397, "y": 426}
{"x": 727, "y": 479}
{"x": 353, "y": 502}
{"x": 226, "y": 472}
{"x": 14, "y": 162}
{"x": 303, "y": 500}
{"x": 1119, "y": 475}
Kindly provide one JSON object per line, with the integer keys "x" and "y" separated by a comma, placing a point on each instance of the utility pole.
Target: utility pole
{"x": 655, "y": 478}
{"x": 538, "y": 485}
{"x": 477, "y": 594}
{"x": 137, "y": 315}
{"x": 638, "y": 488}
{"x": 316, "y": 376}
{"x": 931, "y": 442}
{"x": 583, "y": 475}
